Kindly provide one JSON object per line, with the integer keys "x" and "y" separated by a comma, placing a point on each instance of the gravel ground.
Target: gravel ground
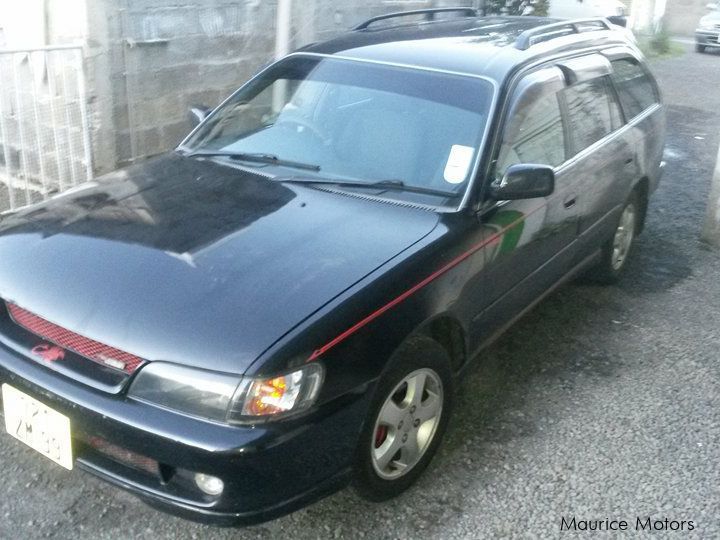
{"x": 603, "y": 402}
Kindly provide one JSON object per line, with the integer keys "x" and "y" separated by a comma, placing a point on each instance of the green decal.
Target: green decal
{"x": 514, "y": 223}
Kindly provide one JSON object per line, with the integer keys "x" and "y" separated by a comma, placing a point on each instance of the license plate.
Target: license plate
{"x": 37, "y": 425}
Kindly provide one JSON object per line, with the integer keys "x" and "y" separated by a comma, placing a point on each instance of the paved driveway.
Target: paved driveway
{"x": 603, "y": 402}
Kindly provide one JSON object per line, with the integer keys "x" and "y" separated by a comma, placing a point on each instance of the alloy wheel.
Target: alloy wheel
{"x": 407, "y": 423}
{"x": 624, "y": 236}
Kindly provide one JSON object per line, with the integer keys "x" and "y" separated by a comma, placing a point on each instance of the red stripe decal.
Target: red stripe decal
{"x": 449, "y": 266}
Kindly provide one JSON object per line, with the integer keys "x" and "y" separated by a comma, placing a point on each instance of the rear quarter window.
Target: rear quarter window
{"x": 592, "y": 112}
{"x": 634, "y": 88}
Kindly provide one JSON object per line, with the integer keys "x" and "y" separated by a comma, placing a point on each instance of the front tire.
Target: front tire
{"x": 699, "y": 48}
{"x": 406, "y": 421}
{"x": 617, "y": 249}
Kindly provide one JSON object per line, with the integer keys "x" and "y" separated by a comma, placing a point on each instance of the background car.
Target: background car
{"x": 707, "y": 35}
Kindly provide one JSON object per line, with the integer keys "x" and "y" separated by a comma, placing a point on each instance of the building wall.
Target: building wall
{"x": 163, "y": 56}
{"x": 152, "y": 59}
{"x": 148, "y": 61}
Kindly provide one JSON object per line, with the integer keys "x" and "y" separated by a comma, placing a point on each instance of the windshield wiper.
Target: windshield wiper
{"x": 393, "y": 185}
{"x": 256, "y": 158}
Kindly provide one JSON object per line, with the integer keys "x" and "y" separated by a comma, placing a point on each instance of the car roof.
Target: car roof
{"x": 481, "y": 46}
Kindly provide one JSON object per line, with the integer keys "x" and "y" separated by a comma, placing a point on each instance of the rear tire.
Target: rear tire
{"x": 404, "y": 426}
{"x": 699, "y": 48}
{"x": 617, "y": 249}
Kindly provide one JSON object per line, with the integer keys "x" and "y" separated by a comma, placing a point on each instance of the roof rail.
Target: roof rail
{"x": 547, "y": 32}
{"x": 429, "y": 15}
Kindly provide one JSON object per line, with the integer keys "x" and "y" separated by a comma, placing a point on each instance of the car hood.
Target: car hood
{"x": 195, "y": 262}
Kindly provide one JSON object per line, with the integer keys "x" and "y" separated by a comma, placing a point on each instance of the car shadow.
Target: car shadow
{"x": 657, "y": 265}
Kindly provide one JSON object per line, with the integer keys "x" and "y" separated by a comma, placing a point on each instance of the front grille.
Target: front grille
{"x": 85, "y": 347}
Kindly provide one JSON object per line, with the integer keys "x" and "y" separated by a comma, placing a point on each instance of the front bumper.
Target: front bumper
{"x": 268, "y": 470}
{"x": 708, "y": 38}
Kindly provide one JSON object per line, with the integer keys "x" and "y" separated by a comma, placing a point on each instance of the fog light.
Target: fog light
{"x": 209, "y": 485}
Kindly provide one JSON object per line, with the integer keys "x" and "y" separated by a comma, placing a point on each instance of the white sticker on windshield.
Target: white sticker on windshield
{"x": 458, "y": 163}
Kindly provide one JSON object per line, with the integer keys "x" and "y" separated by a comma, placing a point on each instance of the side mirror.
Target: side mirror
{"x": 199, "y": 113}
{"x": 524, "y": 182}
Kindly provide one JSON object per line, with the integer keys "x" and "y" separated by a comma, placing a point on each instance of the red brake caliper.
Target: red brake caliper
{"x": 380, "y": 436}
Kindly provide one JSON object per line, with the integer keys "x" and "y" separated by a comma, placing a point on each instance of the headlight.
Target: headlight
{"x": 192, "y": 391}
{"x": 277, "y": 396}
{"x": 226, "y": 398}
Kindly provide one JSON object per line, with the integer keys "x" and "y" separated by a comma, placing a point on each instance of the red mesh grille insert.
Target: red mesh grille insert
{"x": 93, "y": 350}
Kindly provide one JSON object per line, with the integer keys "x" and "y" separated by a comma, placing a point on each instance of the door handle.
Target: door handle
{"x": 628, "y": 161}
{"x": 570, "y": 201}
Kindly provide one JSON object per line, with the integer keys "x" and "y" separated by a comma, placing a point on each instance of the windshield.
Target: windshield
{"x": 355, "y": 121}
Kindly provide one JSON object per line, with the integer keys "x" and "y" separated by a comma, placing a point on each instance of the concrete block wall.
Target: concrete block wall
{"x": 153, "y": 59}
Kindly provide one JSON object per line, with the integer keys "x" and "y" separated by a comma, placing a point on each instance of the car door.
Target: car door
{"x": 601, "y": 156}
{"x": 529, "y": 243}
{"x": 640, "y": 101}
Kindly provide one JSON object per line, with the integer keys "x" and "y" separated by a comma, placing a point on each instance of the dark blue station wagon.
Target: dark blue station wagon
{"x": 282, "y": 306}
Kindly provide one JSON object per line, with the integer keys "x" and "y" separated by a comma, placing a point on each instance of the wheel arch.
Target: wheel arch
{"x": 447, "y": 330}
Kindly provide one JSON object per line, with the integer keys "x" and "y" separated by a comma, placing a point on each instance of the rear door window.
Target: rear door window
{"x": 634, "y": 88}
{"x": 592, "y": 112}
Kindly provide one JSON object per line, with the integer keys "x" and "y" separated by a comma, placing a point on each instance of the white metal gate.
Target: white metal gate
{"x": 45, "y": 144}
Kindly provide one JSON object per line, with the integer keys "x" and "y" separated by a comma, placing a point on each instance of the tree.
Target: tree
{"x": 505, "y": 7}
{"x": 541, "y": 7}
